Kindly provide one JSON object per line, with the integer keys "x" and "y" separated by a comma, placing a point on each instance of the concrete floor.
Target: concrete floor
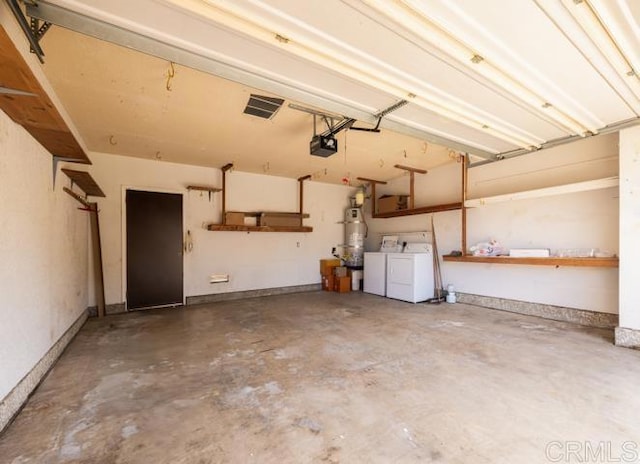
{"x": 328, "y": 378}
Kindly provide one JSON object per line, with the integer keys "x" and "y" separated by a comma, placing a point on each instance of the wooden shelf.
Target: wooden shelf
{"x": 34, "y": 110}
{"x": 586, "y": 186}
{"x": 230, "y": 228}
{"x": 421, "y": 210}
{"x": 552, "y": 261}
{"x": 204, "y": 188}
{"x": 84, "y": 180}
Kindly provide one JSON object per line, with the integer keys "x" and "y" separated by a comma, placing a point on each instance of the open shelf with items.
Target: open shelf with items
{"x": 551, "y": 261}
{"x": 412, "y": 209}
{"x": 265, "y": 221}
{"x": 557, "y": 261}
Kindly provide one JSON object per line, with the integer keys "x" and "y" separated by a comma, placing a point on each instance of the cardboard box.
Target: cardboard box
{"x": 280, "y": 220}
{"x": 390, "y": 203}
{"x": 342, "y": 284}
{"x": 340, "y": 271}
{"x": 232, "y": 218}
{"x": 327, "y": 265}
{"x": 328, "y": 281}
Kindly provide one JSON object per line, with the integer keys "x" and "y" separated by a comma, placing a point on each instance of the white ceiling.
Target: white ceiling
{"x": 493, "y": 78}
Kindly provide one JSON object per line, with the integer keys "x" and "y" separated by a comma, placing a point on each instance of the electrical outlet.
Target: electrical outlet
{"x": 218, "y": 278}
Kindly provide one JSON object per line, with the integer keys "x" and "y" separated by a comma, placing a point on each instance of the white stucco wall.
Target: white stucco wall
{"x": 629, "y": 228}
{"x": 43, "y": 255}
{"x": 252, "y": 260}
{"x": 577, "y": 220}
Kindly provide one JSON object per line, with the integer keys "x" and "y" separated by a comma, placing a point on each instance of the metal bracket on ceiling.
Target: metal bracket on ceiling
{"x": 39, "y": 29}
{"x": 380, "y": 115}
{"x": 33, "y": 31}
{"x": 333, "y": 129}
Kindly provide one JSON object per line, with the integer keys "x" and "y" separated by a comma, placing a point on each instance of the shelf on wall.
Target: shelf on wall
{"x": 551, "y": 261}
{"x": 204, "y": 188}
{"x": 265, "y": 221}
{"x": 84, "y": 180}
{"x": 421, "y": 210}
{"x": 596, "y": 184}
{"x": 32, "y": 108}
{"x": 238, "y": 228}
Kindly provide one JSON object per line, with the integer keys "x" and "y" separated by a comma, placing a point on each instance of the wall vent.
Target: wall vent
{"x": 263, "y": 107}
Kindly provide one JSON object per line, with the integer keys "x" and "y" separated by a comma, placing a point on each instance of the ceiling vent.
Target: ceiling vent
{"x": 263, "y": 107}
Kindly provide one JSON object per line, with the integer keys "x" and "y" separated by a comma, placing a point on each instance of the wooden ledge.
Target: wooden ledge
{"x": 230, "y": 228}
{"x": 552, "y": 261}
{"x": 421, "y": 210}
{"x": 34, "y": 110}
{"x": 84, "y": 180}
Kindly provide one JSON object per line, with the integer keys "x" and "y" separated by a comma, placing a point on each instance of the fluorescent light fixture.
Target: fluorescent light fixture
{"x": 232, "y": 15}
{"x": 413, "y": 18}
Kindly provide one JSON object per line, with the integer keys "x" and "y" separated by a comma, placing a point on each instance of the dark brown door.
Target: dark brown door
{"x": 154, "y": 249}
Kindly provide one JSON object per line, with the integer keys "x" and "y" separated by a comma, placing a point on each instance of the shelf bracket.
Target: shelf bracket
{"x": 224, "y": 169}
{"x": 373, "y": 183}
{"x": 301, "y": 191}
{"x": 204, "y": 188}
{"x": 463, "y": 210}
{"x": 33, "y": 31}
{"x": 412, "y": 180}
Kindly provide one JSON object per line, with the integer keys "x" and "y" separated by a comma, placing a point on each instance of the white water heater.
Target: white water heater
{"x": 354, "y": 233}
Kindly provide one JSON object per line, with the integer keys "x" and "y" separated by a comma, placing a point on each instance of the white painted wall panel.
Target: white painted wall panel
{"x": 629, "y": 228}
{"x": 43, "y": 255}
{"x": 584, "y": 159}
{"x": 576, "y": 220}
{"x": 253, "y": 260}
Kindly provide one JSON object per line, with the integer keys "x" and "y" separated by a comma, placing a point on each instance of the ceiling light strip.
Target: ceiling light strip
{"x": 232, "y": 16}
{"x": 409, "y": 18}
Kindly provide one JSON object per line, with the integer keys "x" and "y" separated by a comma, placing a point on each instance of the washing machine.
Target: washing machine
{"x": 410, "y": 274}
{"x": 375, "y": 273}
